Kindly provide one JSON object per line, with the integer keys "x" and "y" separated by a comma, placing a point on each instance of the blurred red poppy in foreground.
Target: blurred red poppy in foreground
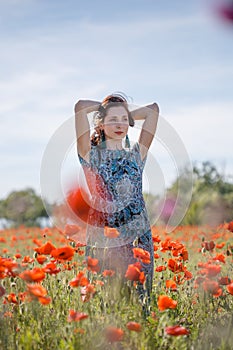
{"x": 77, "y": 200}
{"x": 176, "y": 330}
{"x": 113, "y": 334}
{"x": 212, "y": 287}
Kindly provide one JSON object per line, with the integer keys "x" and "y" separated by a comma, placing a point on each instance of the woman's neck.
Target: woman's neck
{"x": 114, "y": 144}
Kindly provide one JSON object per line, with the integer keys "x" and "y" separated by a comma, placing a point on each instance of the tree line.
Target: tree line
{"x": 211, "y": 203}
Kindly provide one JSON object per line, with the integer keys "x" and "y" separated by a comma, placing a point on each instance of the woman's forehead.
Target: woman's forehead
{"x": 116, "y": 111}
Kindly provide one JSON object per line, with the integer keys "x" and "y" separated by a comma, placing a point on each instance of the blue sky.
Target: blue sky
{"x": 177, "y": 53}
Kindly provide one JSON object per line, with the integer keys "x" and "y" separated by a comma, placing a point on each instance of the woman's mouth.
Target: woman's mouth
{"x": 119, "y": 132}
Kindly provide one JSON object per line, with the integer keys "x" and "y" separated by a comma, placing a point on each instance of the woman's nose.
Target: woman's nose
{"x": 118, "y": 125}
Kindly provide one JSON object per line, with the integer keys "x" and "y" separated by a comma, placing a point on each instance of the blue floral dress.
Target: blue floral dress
{"x": 115, "y": 181}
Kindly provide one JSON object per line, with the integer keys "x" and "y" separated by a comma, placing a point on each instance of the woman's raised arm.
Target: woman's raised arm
{"x": 150, "y": 115}
{"x": 82, "y": 126}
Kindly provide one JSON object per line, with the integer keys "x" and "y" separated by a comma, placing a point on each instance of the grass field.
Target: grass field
{"x": 51, "y": 298}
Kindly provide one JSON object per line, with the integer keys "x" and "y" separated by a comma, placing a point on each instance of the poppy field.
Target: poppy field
{"x": 52, "y": 297}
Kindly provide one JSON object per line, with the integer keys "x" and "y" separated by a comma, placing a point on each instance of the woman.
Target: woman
{"x": 118, "y": 220}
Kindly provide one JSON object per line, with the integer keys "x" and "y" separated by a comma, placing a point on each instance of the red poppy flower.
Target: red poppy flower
{"x": 87, "y": 292}
{"x": 176, "y": 330}
{"x": 79, "y": 280}
{"x": 64, "y": 253}
{"x": 155, "y": 238}
{"x": 142, "y": 255}
{"x": 35, "y": 275}
{"x": 113, "y": 334}
{"x": 51, "y": 268}
{"x": 134, "y": 273}
{"x": 183, "y": 253}
{"x": 160, "y": 268}
{"x": 164, "y": 302}
{"x": 213, "y": 270}
{"x": 170, "y": 284}
{"x": 175, "y": 266}
{"x": 187, "y": 274}
{"x": 8, "y": 267}
{"x": 78, "y": 202}
{"x": 44, "y": 300}
{"x": 93, "y": 264}
{"x": 76, "y": 316}
{"x": 224, "y": 281}
{"x": 208, "y": 245}
{"x": 230, "y": 288}
{"x": 220, "y": 245}
{"x": 36, "y": 290}
{"x": 108, "y": 273}
{"x": 134, "y": 326}
{"x": 12, "y": 298}
{"x": 27, "y": 260}
{"x": 45, "y": 249}
{"x": 75, "y": 233}
{"x": 212, "y": 287}
{"x": 220, "y": 257}
{"x": 41, "y": 259}
{"x": 230, "y": 226}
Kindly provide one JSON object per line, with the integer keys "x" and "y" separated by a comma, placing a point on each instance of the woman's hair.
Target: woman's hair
{"x": 113, "y": 100}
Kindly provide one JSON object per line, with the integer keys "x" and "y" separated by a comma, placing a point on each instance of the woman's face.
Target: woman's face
{"x": 116, "y": 123}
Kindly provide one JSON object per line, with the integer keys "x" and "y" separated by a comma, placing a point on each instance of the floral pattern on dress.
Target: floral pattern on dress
{"x": 117, "y": 201}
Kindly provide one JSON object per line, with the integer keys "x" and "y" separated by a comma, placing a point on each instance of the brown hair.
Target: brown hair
{"x": 112, "y": 100}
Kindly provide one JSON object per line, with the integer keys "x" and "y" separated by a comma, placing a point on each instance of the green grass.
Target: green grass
{"x": 29, "y": 325}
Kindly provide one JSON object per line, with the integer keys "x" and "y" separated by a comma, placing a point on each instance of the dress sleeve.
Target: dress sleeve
{"x": 83, "y": 162}
{"x": 94, "y": 159}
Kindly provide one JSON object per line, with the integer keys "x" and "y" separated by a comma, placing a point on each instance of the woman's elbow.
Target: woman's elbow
{"x": 155, "y": 107}
{"x": 79, "y": 106}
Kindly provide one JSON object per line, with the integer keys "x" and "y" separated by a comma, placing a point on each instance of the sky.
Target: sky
{"x": 53, "y": 53}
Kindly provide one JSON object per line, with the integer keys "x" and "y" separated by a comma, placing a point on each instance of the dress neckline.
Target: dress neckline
{"x": 115, "y": 150}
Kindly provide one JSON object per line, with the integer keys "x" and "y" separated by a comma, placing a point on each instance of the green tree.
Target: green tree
{"x": 23, "y": 207}
{"x": 212, "y": 198}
